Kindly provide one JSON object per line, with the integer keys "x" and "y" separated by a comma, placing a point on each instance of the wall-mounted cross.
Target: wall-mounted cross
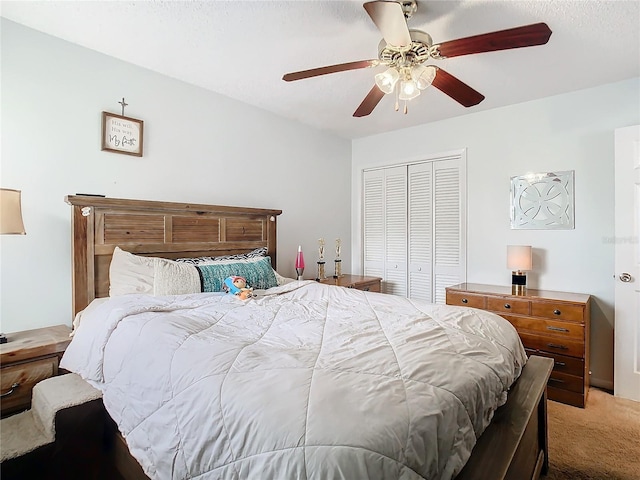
{"x": 124, "y": 104}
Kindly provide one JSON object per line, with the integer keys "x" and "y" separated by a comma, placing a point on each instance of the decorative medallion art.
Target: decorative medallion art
{"x": 542, "y": 201}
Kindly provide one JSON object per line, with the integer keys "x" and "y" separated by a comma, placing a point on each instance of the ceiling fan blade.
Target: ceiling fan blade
{"x": 342, "y": 67}
{"x": 389, "y": 18}
{"x": 527, "y": 36}
{"x": 456, "y": 89}
{"x": 370, "y": 102}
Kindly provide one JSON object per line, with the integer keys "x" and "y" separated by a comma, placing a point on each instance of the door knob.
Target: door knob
{"x": 625, "y": 277}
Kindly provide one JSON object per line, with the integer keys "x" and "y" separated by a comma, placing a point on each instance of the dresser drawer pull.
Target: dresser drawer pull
{"x": 464, "y": 300}
{"x": 560, "y": 364}
{"x": 13, "y": 388}
{"x": 507, "y": 306}
{"x": 366, "y": 289}
{"x": 557, "y": 312}
{"x": 556, "y": 380}
{"x": 555, "y": 345}
{"x": 558, "y": 329}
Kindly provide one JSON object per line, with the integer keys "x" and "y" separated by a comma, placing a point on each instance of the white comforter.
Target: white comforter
{"x": 307, "y": 382}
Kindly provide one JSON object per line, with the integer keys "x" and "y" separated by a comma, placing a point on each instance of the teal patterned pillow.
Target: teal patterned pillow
{"x": 259, "y": 274}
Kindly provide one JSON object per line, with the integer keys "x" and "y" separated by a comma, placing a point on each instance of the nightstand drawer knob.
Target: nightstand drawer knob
{"x": 464, "y": 300}
{"x": 555, "y": 345}
{"x": 13, "y": 388}
{"x": 507, "y": 306}
{"x": 557, "y": 312}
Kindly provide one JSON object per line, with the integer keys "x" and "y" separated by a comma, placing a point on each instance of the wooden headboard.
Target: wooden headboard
{"x": 159, "y": 229}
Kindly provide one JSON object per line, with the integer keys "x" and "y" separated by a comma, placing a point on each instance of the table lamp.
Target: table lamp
{"x": 10, "y": 212}
{"x": 519, "y": 261}
{"x": 10, "y": 219}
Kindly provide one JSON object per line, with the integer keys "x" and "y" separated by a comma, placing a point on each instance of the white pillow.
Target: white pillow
{"x": 129, "y": 273}
{"x": 174, "y": 278}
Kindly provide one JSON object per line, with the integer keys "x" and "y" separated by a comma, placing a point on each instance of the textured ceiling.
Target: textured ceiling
{"x": 241, "y": 49}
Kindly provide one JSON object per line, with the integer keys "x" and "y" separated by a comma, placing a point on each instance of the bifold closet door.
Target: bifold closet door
{"x": 385, "y": 227}
{"x": 414, "y": 227}
{"x": 449, "y": 226}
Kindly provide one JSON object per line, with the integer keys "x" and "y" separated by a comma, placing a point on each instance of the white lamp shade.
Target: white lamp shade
{"x": 387, "y": 80}
{"x": 423, "y": 75}
{"x": 408, "y": 90}
{"x": 519, "y": 257}
{"x": 10, "y": 212}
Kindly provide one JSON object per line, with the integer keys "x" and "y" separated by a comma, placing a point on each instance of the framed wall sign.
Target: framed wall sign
{"x": 122, "y": 134}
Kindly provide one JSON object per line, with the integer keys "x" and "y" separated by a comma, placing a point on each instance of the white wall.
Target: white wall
{"x": 198, "y": 147}
{"x": 566, "y": 132}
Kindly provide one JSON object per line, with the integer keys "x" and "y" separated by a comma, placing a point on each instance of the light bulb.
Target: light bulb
{"x": 423, "y": 75}
{"x": 408, "y": 90}
{"x": 387, "y": 80}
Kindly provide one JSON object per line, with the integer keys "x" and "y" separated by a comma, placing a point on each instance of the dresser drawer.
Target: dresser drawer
{"x": 566, "y": 382}
{"x": 552, "y": 344}
{"x": 572, "y": 330}
{"x": 559, "y": 311}
{"x": 26, "y": 375}
{"x": 507, "y": 305}
{"x": 563, "y": 363}
{"x": 466, "y": 300}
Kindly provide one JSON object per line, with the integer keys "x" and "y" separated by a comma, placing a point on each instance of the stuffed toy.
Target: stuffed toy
{"x": 237, "y": 286}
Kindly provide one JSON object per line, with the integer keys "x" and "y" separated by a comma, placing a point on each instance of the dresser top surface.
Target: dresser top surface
{"x": 531, "y": 293}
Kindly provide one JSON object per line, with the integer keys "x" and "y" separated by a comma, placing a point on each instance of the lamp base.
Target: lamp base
{"x": 518, "y": 289}
{"x": 518, "y": 283}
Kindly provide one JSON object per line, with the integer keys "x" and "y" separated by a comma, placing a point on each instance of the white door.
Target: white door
{"x": 450, "y": 220}
{"x": 420, "y": 241}
{"x": 627, "y": 263}
{"x": 385, "y": 227}
{"x": 395, "y": 219}
{"x": 414, "y": 219}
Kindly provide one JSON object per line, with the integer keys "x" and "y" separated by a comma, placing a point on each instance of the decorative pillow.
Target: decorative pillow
{"x": 129, "y": 273}
{"x": 174, "y": 278}
{"x": 258, "y": 252}
{"x": 259, "y": 274}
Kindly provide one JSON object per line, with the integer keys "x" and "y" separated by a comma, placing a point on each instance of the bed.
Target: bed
{"x": 303, "y": 381}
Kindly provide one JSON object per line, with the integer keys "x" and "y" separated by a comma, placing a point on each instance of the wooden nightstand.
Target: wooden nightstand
{"x": 550, "y": 324}
{"x": 27, "y": 358}
{"x": 368, "y": 284}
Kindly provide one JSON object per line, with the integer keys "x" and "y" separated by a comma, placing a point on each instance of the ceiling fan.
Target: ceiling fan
{"x": 406, "y": 52}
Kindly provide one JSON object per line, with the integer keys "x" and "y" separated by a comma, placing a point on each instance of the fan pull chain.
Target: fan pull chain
{"x": 405, "y": 107}
{"x": 397, "y": 90}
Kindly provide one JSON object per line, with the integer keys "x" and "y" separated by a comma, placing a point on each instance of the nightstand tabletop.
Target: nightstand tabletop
{"x": 30, "y": 344}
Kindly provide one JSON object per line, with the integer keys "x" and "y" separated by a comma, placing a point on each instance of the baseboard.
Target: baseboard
{"x": 602, "y": 384}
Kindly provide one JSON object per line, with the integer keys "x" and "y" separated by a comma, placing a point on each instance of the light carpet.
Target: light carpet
{"x": 599, "y": 442}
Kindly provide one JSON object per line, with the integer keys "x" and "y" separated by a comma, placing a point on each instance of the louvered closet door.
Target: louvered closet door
{"x": 374, "y": 225}
{"x": 414, "y": 227}
{"x": 449, "y": 265}
{"x": 420, "y": 239}
{"x": 395, "y": 198}
{"x": 385, "y": 227}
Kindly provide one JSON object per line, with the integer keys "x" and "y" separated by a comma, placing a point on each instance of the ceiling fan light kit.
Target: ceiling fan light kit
{"x": 405, "y": 52}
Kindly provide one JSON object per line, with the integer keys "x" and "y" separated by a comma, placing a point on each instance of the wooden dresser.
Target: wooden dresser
{"x": 368, "y": 284}
{"x": 551, "y": 324}
{"x": 27, "y": 358}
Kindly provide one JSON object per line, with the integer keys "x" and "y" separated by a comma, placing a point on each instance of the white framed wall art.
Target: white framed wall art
{"x": 542, "y": 201}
